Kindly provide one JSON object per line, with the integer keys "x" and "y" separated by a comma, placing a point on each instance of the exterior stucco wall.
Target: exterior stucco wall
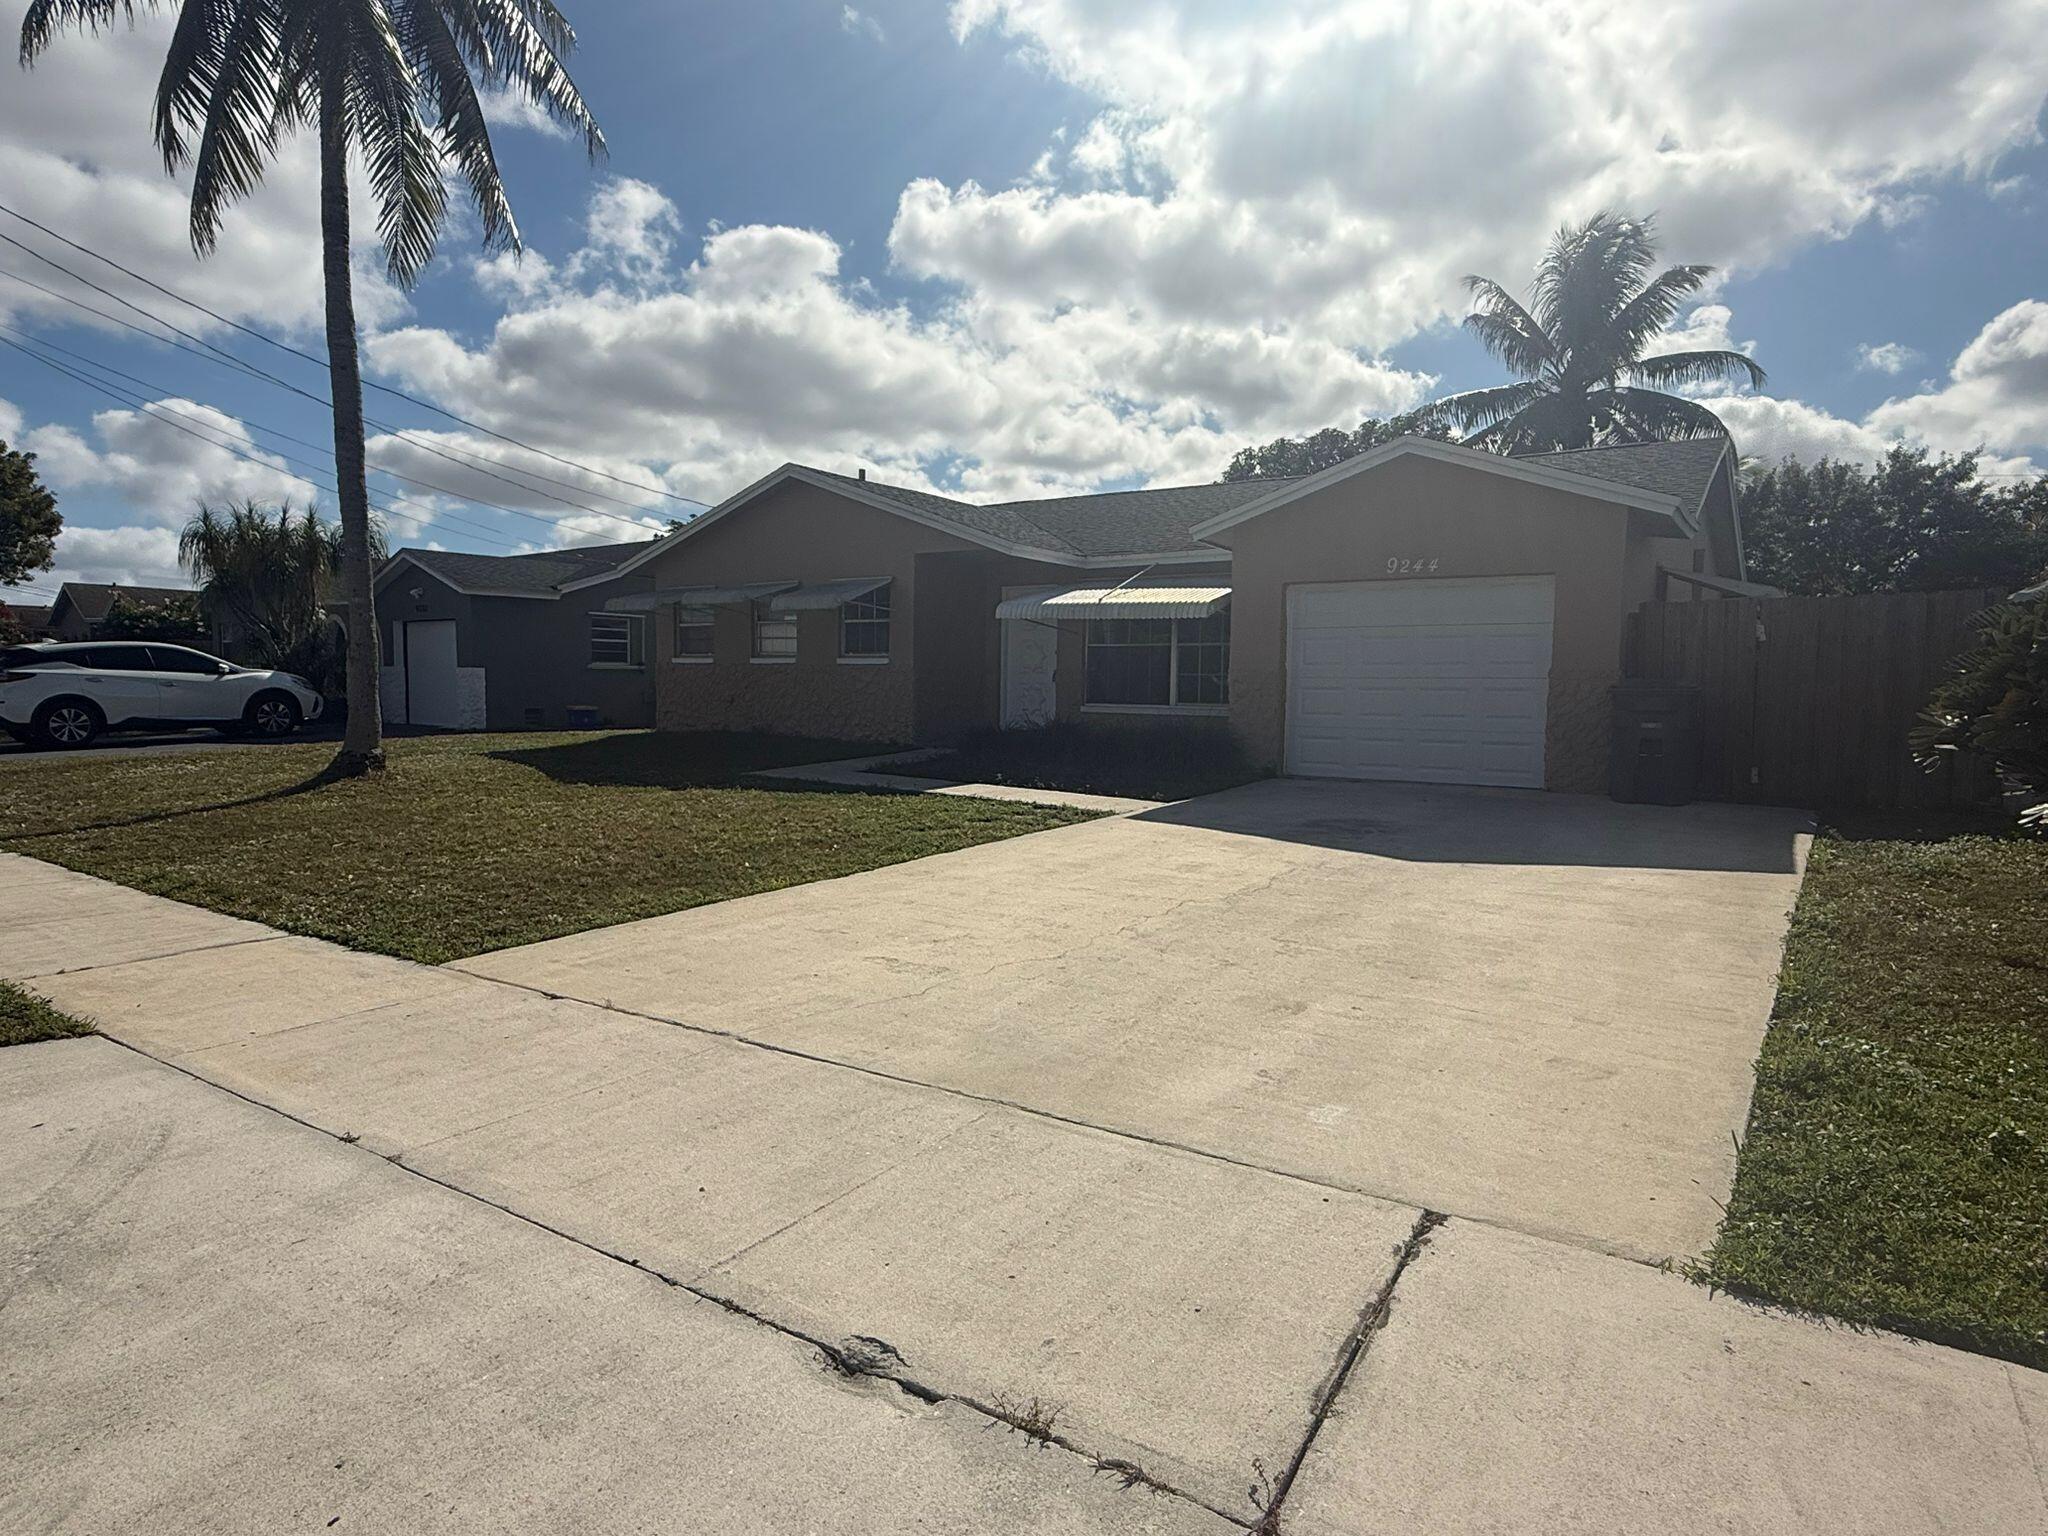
{"x": 1471, "y": 523}
{"x": 805, "y": 534}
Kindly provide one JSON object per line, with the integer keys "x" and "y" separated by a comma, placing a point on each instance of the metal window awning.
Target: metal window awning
{"x": 1159, "y": 602}
{"x": 696, "y": 597}
{"x": 830, "y": 594}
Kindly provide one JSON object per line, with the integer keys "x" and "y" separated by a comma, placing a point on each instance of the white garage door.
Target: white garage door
{"x": 1438, "y": 681}
{"x": 432, "y": 694}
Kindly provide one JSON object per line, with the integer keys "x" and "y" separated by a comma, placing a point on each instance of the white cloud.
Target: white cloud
{"x": 76, "y": 148}
{"x": 1337, "y": 165}
{"x": 512, "y": 109}
{"x": 759, "y": 350}
{"x": 164, "y": 462}
{"x": 861, "y": 24}
{"x": 630, "y": 230}
{"x": 1885, "y": 357}
{"x": 1996, "y": 400}
{"x": 132, "y": 555}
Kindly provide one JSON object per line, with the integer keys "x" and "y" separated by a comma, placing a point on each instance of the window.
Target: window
{"x": 695, "y": 633}
{"x": 864, "y": 624}
{"x": 774, "y": 633}
{"x": 615, "y": 640}
{"x": 116, "y": 658}
{"x": 171, "y": 658}
{"x": 1159, "y": 663}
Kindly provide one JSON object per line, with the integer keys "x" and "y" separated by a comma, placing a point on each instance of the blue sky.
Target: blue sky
{"x": 1011, "y": 246}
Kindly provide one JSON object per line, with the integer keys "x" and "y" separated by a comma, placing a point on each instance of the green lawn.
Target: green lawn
{"x": 1896, "y": 1167}
{"x": 470, "y": 843}
{"x": 26, "y": 1018}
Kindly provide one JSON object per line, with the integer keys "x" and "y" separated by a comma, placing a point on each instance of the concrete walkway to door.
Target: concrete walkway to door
{"x": 1536, "y": 1010}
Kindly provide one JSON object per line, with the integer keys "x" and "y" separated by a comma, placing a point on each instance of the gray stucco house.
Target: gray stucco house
{"x": 496, "y": 642}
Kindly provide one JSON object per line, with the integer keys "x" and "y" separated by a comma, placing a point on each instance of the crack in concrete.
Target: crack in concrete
{"x": 169, "y": 954}
{"x": 2012, "y": 1385}
{"x": 1371, "y": 1319}
{"x": 862, "y": 1362}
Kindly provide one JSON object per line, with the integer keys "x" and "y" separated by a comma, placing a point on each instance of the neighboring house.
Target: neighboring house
{"x": 82, "y": 606}
{"x": 500, "y": 642}
{"x": 1423, "y": 611}
{"x": 34, "y": 618}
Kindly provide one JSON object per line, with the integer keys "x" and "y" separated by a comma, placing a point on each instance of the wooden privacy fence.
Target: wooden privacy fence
{"x": 1808, "y": 700}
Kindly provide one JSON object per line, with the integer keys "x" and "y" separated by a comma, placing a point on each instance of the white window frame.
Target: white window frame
{"x": 708, "y": 621}
{"x": 628, "y": 627}
{"x": 763, "y": 613}
{"x": 877, "y": 615}
{"x": 1173, "y": 706}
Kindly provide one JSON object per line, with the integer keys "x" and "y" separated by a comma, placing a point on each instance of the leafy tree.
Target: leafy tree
{"x": 1996, "y": 705}
{"x": 176, "y": 620}
{"x": 394, "y": 81}
{"x": 12, "y": 630}
{"x": 266, "y": 576}
{"x": 1289, "y": 457}
{"x": 29, "y": 519}
{"x": 1577, "y": 352}
{"x": 1914, "y": 523}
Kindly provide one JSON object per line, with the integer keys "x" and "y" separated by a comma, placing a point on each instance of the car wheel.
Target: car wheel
{"x": 272, "y": 714}
{"x": 66, "y": 724}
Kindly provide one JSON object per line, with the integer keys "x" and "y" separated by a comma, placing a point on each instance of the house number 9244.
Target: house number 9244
{"x": 1400, "y": 565}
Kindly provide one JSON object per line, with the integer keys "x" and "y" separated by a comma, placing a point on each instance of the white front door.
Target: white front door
{"x": 1438, "y": 681}
{"x": 1030, "y": 650}
{"x": 432, "y": 696}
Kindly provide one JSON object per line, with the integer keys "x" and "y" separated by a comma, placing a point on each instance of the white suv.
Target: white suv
{"x": 60, "y": 695}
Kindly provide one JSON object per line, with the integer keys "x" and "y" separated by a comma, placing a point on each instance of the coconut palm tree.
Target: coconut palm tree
{"x": 1577, "y": 350}
{"x": 395, "y": 82}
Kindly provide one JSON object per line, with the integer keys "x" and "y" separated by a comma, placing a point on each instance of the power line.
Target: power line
{"x": 322, "y": 362}
{"x": 163, "y": 413}
{"x": 325, "y": 404}
{"x": 216, "y": 354}
{"x": 324, "y": 448}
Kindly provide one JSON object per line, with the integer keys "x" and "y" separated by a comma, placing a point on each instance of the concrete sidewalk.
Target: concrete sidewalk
{"x": 287, "y": 1291}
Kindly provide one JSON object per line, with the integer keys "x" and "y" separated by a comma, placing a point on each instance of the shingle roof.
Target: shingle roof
{"x": 540, "y": 573}
{"x": 1108, "y": 523}
{"x": 1684, "y": 469}
{"x": 93, "y": 599}
{"x": 30, "y": 616}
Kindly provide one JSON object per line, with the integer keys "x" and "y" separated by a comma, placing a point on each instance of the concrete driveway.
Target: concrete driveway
{"x": 1536, "y": 1010}
{"x": 864, "y": 1246}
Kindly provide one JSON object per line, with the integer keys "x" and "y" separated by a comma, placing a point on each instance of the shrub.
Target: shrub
{"x": 1996, "y": 705}
{"x": 174, "y": 620}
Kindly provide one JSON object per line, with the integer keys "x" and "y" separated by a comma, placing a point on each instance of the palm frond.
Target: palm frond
{"x": 439, "y": 64}
{"x": 241, "y": 132}
{"x": 1589, "y": 271}
{"x": 1670, "y": 369}
{"x": 1506, "y": 329}
{"x": 46, "y": 18}
{"x": 381, "y": 113}
{"x": 191, "y": 66}
{"x": 1649, "y": 415}
{"x": 1654, "y": 308}
{"x": 525, "y": 41}
{"x": 1479, "y": 408}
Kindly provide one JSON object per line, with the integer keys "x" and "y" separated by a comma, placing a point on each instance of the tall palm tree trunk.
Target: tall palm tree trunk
{"x": 362, "y": 747}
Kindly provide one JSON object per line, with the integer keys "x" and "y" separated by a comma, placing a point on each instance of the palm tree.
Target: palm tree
{"x": 241, "y": 75}
{"x": 266, "y": 576}
{"x": 1577, "y": 351}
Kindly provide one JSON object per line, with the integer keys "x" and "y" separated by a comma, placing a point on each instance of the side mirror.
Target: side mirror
{"x": 221, "y": 669}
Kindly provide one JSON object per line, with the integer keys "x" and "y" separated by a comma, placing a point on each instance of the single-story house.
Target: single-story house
{"x": 34, "y": 618}
{"x": 1422, "y": 611}
{"x": 502, "y": 642}
{"x": 82, "y": 606}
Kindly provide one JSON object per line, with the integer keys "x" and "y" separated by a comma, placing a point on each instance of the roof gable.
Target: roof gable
{"x": 1454, "y": 454}
{"x": 544, "y": 574}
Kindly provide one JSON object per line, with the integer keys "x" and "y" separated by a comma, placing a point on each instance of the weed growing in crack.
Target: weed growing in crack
{"x": 1035, "y": 1418}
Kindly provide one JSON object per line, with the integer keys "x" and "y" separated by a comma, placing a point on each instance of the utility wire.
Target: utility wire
{"x": 323, "y": 448}
{"x": 212, "y": 353}
{"x": 166, "y": 415}
{"x": 322, "y": 362}
{"x": 322, "y": 401}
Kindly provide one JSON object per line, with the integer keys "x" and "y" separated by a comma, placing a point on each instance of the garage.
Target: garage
{"x": 1440, "y": 682}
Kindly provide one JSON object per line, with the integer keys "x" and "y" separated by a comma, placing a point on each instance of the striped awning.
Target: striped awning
{"x": 696, "y": 597}
{"x": 1132, "y": 602}
{"x": 830, "y": 594}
